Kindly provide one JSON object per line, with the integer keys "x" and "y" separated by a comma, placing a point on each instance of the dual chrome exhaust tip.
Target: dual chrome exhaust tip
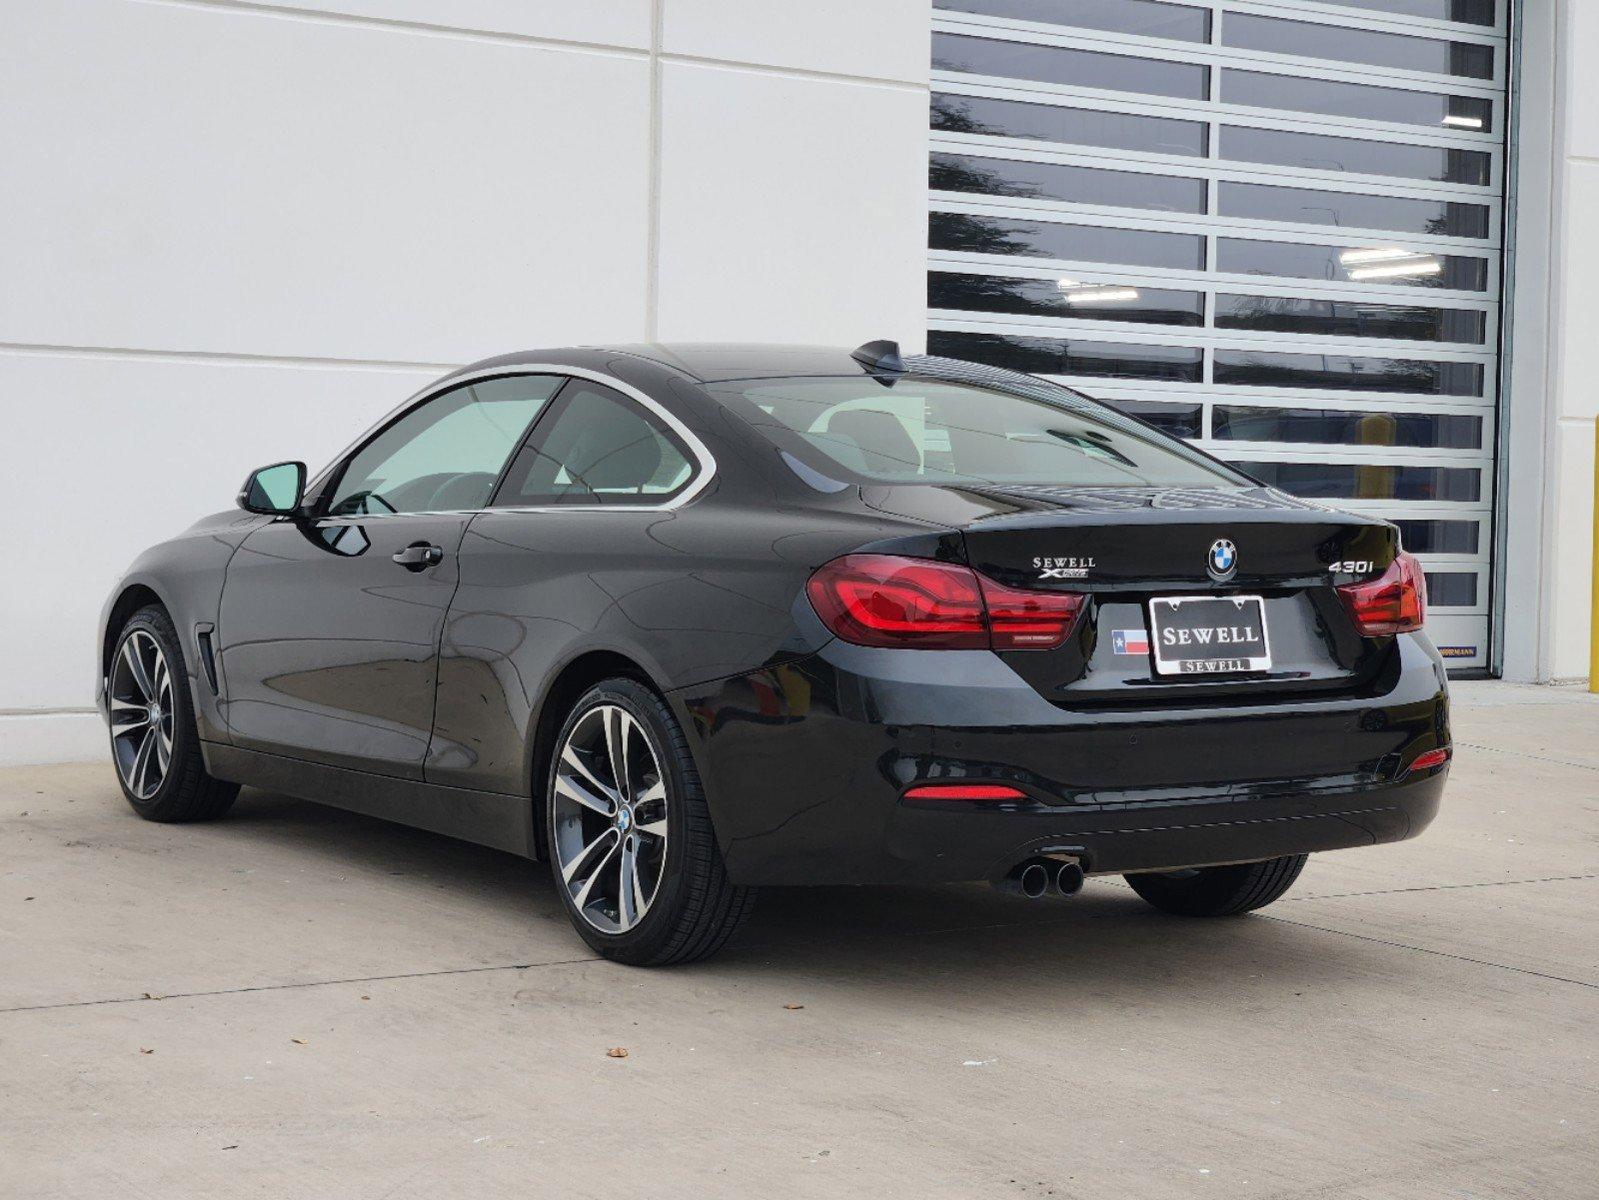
{"x": 1034, "y": 877}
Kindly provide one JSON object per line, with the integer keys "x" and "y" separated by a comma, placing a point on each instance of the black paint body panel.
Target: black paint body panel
{"x": 419, "y": 695}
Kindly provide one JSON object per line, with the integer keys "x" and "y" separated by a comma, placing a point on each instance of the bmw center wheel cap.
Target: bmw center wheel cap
{"x": 1223, "y": 560}
{"x": 624, "y": 819}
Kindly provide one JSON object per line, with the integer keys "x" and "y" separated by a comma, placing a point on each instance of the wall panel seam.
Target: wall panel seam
{"x": 218, "y": 358}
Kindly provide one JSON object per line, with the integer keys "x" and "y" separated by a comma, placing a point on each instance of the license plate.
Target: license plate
{"x": 1209, "y": 635}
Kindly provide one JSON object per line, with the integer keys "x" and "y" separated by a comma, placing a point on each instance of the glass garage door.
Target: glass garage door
{"x": 1271, "y": 228}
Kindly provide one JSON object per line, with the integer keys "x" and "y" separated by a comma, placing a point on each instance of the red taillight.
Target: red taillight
{"x": 1429, "y": 759}
{"x": 885, "y": 600}
{"x": 879, "y": 600}
{"x": 1394, "y": 602}
{"x": 1022, "y": 620}
{"x": 964, "y": 791}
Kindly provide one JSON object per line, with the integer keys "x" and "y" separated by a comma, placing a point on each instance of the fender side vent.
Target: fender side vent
{"x": 208, "y": 662}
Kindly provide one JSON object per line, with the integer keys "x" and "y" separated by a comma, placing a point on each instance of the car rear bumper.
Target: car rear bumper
{"x": 805, "y": 763}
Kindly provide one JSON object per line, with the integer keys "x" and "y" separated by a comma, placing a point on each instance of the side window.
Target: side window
{"x": 445, "y": 455}
{"x": 598, "y": 448}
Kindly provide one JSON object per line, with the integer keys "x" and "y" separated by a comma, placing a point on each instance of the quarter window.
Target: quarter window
{"x": 598, "y": 448}
{"x": 445, "y": 455}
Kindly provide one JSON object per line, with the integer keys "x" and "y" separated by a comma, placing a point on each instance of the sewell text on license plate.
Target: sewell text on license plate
{"x": 1209, "y": 635}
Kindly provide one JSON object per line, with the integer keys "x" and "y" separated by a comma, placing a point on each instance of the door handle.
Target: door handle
{"x": 418, "y": 556}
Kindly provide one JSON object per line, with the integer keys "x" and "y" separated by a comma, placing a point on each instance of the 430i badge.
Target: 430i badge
{"x": 682, "y": 621}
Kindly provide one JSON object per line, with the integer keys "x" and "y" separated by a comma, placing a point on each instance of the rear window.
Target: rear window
{"x": 913, "y": 430}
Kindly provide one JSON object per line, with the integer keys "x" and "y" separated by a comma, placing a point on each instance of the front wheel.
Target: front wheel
{"x": 1219, "y": 891}
{"x": 631, "y": 847}
{"x": 154, "y": 742}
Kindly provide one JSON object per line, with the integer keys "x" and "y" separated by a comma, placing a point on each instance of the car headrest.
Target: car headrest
{"x": 880, "y": 435}
{"x": 614, "y": 456}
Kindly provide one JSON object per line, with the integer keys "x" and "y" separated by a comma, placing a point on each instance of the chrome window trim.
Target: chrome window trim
{"x": 704, "y": 460}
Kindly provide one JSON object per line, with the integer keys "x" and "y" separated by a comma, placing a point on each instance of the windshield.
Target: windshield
{"x": 915, "y": 430}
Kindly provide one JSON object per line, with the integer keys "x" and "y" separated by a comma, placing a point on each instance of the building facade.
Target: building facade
{"x": 1343, "y": 244}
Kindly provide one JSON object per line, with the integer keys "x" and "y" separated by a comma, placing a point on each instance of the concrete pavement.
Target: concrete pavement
{"x": 298, "y": 1002}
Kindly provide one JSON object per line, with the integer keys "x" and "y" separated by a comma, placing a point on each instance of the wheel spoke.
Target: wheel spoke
{"x": 617, "y": 727}
{"x": 569, "y": 872}
{"x": 137, "y": 669}
{"x": 163, "y": 750}
{"x": 582, "y": 897}
{"x": 163, "y": 682}
{"x": 126, "y": 718}
{"x": 583, "y": 785}
{"x": 573, "y": 789}
{"x": 653, "y": 828}
{"x": 629, "y": 899}
{"x": 656, "y": 791}
{"x": 138, "y": 773}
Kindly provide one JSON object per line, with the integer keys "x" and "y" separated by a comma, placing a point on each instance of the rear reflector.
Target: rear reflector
{"x": 1430, "y": 758}
{"x": 1394, "y": 602}
{"x": 964, "y": 791}
{"x": 916, "y": 603}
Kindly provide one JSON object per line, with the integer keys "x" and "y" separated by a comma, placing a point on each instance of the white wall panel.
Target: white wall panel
{"x": 1582, "y": 114}
{"x": 882, "y": 39}
{"x": 1571, "y": 558}
{"x": 792, "y": 209}
{"x": 1574, "y": 401}
{"x": 123, "y": 452}
{"x": 607, "y": 22}
{"x": 210, "y": 178}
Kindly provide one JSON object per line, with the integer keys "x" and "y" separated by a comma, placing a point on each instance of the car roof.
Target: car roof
{"x": 703, "y": 362}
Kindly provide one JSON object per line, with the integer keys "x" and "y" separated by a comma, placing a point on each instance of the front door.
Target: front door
{"x": 330, "y": 623}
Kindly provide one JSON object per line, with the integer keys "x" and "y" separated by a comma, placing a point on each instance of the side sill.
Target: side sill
{"x": 486, "y": 818}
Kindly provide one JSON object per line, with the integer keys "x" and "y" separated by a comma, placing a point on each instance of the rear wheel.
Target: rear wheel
{"x": 154, "y": 743}
{"x": 1219, "y": 891}
{"x": 631, "y": 848}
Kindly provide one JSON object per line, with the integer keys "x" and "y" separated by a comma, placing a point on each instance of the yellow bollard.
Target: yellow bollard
{"x": 1593, "y": 616}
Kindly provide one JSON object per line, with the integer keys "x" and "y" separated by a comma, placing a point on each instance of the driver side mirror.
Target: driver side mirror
{"x": 274, "y": 491}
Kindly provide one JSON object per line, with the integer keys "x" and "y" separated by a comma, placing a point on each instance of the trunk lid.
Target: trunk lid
{"x": 1130, "y": 547}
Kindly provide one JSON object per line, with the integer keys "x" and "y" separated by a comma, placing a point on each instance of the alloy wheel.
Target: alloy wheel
{"x": 142, "y": 714}
{"x": 609, "y": 819}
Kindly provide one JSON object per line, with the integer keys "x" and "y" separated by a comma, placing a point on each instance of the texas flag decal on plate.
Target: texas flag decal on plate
{"x": 1129, "y": 641}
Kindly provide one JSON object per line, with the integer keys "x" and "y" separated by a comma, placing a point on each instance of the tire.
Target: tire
{"x": 1219, "y": 891}
{"x": 690, "y": 908}
{"x": 178, "y": 789}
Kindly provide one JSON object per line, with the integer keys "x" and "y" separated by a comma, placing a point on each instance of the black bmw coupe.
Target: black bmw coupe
{"x": 685, "y": 620}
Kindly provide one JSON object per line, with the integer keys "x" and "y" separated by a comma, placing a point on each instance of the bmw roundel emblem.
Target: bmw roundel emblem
{"x": 1223, "y": 560}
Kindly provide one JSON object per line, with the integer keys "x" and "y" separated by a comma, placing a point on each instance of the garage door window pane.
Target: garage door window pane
{"x": 1244, "y": 368}
{"x": 1351, "y": 318}
{"x": 1357, "y": 100}
{"x": 1452, "y": 589}
{"x": 1332, "y": 427}
{"x": 1370, "y": 481}
{"x": 1077, "y": 243}
{"x": 1056, "y": 181}
{"x": 1052, "y": 356}
{"x": 1389, "y": 265}
{"x": 1440, "y": 537}
{"x": 1320, "y": 152}
{"x": 1345, "y": 44}
{"x": 1068, "y": 126}
{"x": 1467, "y": 12}
{"x": 1306, "y": 206}
{"x": 1146, "y": 18}
{"x": 1074, "y": 68}
{"x": 1087, "y": 301}
{"x": 1179, "y": 420}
